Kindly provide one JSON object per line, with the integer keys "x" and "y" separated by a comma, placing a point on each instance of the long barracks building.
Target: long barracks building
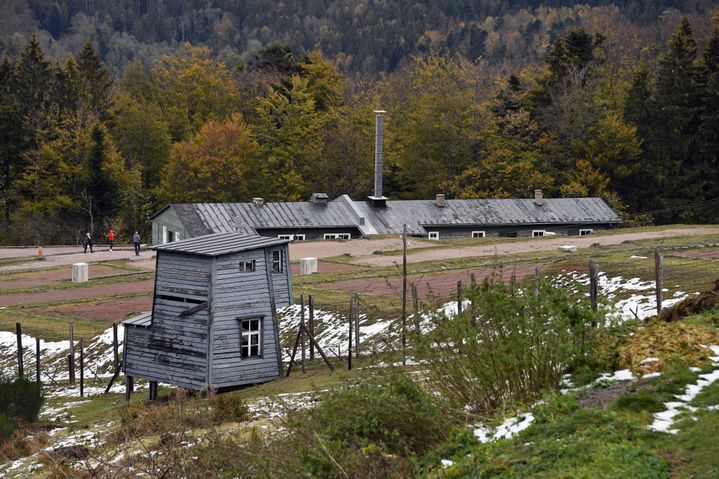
{"x": 344, "y": 218}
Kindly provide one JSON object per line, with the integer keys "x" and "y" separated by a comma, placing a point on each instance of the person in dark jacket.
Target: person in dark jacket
{"x": 136, "y": 242}
{"x": 87, "y": 242}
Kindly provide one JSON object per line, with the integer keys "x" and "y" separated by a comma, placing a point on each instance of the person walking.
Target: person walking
{"x": 87, "y": 242}
{"x": 111, "y": 238}
{"x": 136, "y": 242}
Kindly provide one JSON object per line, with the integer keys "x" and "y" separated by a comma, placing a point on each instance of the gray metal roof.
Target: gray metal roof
{"x": 226, "y": 217}
{"x": 420, "y": 214}
{"x": 143, "y": 320}
{"x": 219, "y": 244}
{"x": 417, "y": 214}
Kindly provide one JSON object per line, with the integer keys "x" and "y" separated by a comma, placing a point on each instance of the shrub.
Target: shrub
{"x": 228, "y": 407}
{"x": 507, "y": 348}
{"x": 20, "y": 398}
{"x": 378, "y": 425}
{"x": 7, "y": 427}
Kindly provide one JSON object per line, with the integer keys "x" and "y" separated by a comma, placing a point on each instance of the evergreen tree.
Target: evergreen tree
{"x": 675, "y": 105}
{"x": 12, "y": 141}
{"x": 32, "y": 85}
{"x": 94, "y": 82}
{"x": 289, "y": 132}
{"x": 100, "y": 195}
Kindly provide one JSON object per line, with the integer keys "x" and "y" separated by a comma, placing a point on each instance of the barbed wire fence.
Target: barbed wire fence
{"x": 379, "y": 299}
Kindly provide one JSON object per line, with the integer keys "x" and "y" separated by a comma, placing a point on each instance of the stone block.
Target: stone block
{"x": 308, "y": 266}
{"x": 80, "y": 272}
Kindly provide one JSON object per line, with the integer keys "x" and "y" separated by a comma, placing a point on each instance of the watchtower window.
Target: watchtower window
{"x": 247, "y": 266}
{"x": 251, "y": 338}
{"x": 277, "y": 261}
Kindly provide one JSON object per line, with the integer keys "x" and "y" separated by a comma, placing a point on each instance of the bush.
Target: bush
{"x": 374, "y": 428}
{"x": 20, "y": 398}
{"x": 513, "y": 348}
{"x": 228, "y": 407}
{"x": 7, "y": 427}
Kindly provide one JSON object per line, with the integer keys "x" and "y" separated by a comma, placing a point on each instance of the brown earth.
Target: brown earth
{"x": 355, "y": 248}
{"x": 70, "y": 294}
{"x": 430, "y": 284}
{"x": 44, "y": 277}
{"x": 531, "y": 245}
{"x": 112, "y": 310}
{"x": 709, "y": 253}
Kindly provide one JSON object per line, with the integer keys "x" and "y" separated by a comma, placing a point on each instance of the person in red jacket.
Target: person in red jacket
{"x": 111, "y": 238}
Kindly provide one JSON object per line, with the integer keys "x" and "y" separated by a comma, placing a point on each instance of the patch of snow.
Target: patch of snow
{"x": 622, "y": 375}
{"x": 648, "y": 360}
{"x": 446, "y": 463}
{"x": 651, "y": 375}
{"x": 637, "y": 257}
{"x": 506, "y": 430}
{"x": 664, "y": 420}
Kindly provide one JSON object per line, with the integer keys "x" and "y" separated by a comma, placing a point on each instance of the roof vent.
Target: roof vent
{"x": 319, "y": 198}
{"x": 538, "y": 200}
{"x": 258, "y": 201}
{"x": 440, "y": 201}
{"x": 362, "y": 220}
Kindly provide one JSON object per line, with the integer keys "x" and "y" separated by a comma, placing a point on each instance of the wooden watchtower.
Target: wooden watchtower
{"x": 213, "y": 323}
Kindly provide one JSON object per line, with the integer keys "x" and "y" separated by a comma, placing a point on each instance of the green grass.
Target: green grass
{"x": 63, "y": 285}
{"x": 566, "y": 441}
{"x": 20, "y": 260}
{"x": 709, "y": 396}
{"x": 693, "y": 452}
{"x": 49, "y": 327}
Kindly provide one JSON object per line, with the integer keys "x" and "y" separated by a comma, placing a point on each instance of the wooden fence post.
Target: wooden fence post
{"x": 129, "y": 386}
{"x": 115, "y": 352}
{"x": 537, "y": 277}
{"x": 459, "y": 297}
{"x": 357, "y": 325}
{"x": 415, "y": 307}
{"x": 404, "y": 293}
{"x": 312, "y": 328}
{"x": 82, "y": 369}
{"x": 593, "y": 284}
{"x": 71, "y": 361}
{"x": 303, "y": 362}
{"x": 37, "y": 360}
{"x": 512, "y": 283}
{"x": 349, "y": 342}
{"x": 659, "y": 278}
{"x": 18, "y": 333}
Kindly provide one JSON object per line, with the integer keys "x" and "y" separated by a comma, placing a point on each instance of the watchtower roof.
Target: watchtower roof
{"x": 220, "y": 244}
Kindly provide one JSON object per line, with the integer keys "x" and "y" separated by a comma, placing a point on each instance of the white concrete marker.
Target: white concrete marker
{"x": 80, "y": 272}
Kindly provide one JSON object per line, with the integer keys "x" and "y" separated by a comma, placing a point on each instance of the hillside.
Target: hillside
{"x": 631, "y": 396}
{"x": 366, "y": 37}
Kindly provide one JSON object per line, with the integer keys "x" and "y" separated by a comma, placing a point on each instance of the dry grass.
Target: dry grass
{"x": 666, "y": 342}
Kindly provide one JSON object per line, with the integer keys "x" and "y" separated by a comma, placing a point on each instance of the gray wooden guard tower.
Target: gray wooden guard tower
{"x": 213, "y": 323}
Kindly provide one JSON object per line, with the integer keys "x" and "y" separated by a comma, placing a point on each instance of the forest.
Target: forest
{"x": 612, "y": 99}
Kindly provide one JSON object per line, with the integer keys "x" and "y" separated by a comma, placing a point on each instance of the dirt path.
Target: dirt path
{"x": 431, "y": 284}
{"x": 538, "y": 244}
{"x": 68, "y": 256}
{"x": 91, "y": 292}
{"x": 112, "y": 310}
{"x": 357, "y": 247}
{"x": 43, "y": 277}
